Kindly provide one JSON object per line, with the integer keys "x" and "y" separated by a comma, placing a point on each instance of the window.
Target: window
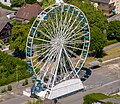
{"x": 5, "y": 0}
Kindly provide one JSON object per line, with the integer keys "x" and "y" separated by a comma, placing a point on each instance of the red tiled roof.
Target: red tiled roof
{"x": 28, "y": 11}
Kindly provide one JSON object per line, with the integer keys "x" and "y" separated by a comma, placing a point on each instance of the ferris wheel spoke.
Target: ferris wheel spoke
{"x": 41, "y": 54}
{"x": 47, "y": 32}
{"x": 48, "y": 60}
{"x": 46, "y": 52}
{"x": 40, "y": 50}
{"x": 41, "y": 46}
{"x": 51, "y": 30}
{"x": 71, "y": 64}
{"x": 56, "y": 18}
{"x": 69, "y": 60}
{"x": 74, "y": 48}
{"x": 47, "y": 56}
{"x": 73, "y": 53}
{"x": 54, "y": 70}
{"x": 42, "y": 40}
{"x": 66, "y": 25}
{"x": 76, "y": 38}
{"x": 50, "y": 82}
{"x": 50, "y": 65}
{"x": 69, "y": 28}
{"x": 53, "y": 25}
{"x": 57, "y": 65}
{"x": 75, "y": 42}
{"x": 65, "y": 20}
{"x": 51, "y": 61}
{"x": 44, "y": 34}
{"x": 61, "y": 18}
{"x": 81, "y": 28}
{"x": 69, "y": 34}
{"x": 77, "y": 33}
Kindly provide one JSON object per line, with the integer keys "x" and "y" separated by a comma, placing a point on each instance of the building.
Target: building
{"x": 6, "y": 2}
{"x": 109, "y": 7}
{"x": 27, "y": 12}
{"x": 5, "y": 27}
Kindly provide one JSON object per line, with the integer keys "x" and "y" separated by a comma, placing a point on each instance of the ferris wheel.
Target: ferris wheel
{"x": 56, "y": 49}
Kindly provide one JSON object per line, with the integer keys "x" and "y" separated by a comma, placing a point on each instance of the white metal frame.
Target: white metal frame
{"x": 60, "y": 36}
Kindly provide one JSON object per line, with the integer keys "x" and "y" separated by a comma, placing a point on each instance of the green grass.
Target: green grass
{"x": 35, "y": 102}
{"x": 90, "y": 98}
{"x": 116, "y": 96}
{"x": 113, "y": 53}
{"x": 110, "y": 54}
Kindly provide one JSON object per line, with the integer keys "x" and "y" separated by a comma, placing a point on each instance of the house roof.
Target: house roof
{"x": 3, "y": 20}
{"x": 28, "y": 11}
{"x": 102, "y": 1}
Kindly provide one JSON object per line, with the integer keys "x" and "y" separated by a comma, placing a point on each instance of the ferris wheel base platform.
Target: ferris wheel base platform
{"x": 65, "y": 88}
{"x": 60, "y": 90}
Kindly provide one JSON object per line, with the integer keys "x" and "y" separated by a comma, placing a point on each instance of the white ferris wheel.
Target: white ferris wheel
{"x": 56, "y": 50}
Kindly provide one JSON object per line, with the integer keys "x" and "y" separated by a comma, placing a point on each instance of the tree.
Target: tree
{"x": 98, "y": 40}
{"x": 18, "y": 37}
{"x": 9, "y": 88}
{"x": 17, "y": 3}
{"x": 8, "y": 65}
{"x": 30, "y": 1}
{"x": 47, "y": 3}
{"x": 113, "y": 31}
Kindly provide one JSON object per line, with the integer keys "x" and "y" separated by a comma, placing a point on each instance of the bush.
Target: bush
{"x": 25, "y": 82}
{"x": 35, "y": 102}
{"x": 109, "y": 42}
{"x": 100, "y": 60}
{"x": 9, "y": 88}
{"x": 3, "y": 90}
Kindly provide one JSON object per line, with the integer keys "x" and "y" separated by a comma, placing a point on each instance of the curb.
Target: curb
{"x": 111, "y": 60}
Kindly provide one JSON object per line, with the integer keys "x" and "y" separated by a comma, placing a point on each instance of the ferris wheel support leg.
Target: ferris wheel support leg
{"x": 56, "y": 68}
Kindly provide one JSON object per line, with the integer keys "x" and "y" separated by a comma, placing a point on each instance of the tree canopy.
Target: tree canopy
{"x": 30, "y": 1}
{"x": 113, "y": 31}
{"x": 17, "y": 3}
{"x": 19, "y": 36}
{"x": 98, "y": 40}
{"x": 11, "y": 68}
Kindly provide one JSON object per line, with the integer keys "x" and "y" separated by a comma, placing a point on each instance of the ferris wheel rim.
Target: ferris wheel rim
{"x": 47, "y": 13}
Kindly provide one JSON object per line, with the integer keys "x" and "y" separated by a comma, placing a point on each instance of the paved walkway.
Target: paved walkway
{"x": 112, "y": 46}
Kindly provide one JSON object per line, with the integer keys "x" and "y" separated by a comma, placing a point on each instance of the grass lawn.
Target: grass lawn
{"x": 116, "y": 97}
{"x": 113, "y": 53}
{"x": 110, "y": 54}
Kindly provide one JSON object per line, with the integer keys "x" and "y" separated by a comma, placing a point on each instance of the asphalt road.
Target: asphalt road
{"x": 78, "y": 98}
{"x": 105, "y": 79}
{"x": 17, "y": 100}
